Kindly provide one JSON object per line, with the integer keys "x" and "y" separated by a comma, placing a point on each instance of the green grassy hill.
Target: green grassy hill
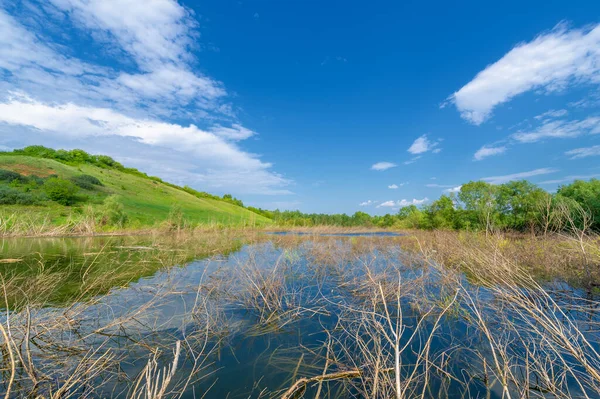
{"x": 146, "y": 201}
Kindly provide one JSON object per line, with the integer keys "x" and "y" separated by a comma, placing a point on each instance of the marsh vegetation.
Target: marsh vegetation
{"x": 243, "y": 314}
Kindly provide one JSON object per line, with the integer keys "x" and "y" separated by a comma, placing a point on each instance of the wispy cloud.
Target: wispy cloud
{"x": 519, "y": 176}
{"x": 212, "y": 152}
{"x": 434, "y": 185}
{"x": 142, "y": 88}
{"x": 422, "y": 145}
{"x": 412, "y": 160}
{"x": 553, "y": 113}
{"x": 383, "y": 166}
{"x": 551, "y": 62}
{"x": 449, "y": 188}
{"x": 453, "y": 189}
{"x": 156, "y": 38}
{"x": 397, "y": 186}
{"x": 559, "y": 129}
{"x": 366, "y": 203}
{"x": 402, "y": 203}
{"x": 569, "y": 179}
{"x": 488, "y": 151}
{"x": 584, "y": 152}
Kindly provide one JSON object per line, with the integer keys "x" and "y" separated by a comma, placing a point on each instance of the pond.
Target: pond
{"x": 251, "y": 315}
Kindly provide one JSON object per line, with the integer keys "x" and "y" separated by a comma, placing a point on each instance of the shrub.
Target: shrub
{"x": 113, "y": 212}
{"x": 176, "y": 219}
{"x": 10, "y": 196}
{"x": 10, "y": 176}
{"x": 86, "y": 182}
{"x": 60, "y": 190}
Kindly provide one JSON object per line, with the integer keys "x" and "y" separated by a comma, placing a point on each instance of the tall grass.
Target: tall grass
{"x": 435, "y": 314}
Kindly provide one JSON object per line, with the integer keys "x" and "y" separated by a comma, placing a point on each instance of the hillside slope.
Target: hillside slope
{"x": 146, "y": 202}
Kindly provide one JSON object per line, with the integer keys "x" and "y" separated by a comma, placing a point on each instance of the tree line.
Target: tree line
{"x": 480, "y": 206}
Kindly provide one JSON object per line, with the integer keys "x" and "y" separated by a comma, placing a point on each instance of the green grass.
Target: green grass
{"x": 146, "y": 202}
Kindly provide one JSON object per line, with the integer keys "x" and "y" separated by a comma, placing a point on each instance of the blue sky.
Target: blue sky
{"x": 322, "y": 106}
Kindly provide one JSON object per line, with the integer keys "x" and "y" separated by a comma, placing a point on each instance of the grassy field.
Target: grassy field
{"x": 146, "y": 202}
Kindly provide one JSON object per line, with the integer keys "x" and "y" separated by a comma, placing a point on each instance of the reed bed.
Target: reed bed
{"x": 432, "y": 314}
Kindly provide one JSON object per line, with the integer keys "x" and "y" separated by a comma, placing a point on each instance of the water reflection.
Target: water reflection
{"x": 252, "y": 314}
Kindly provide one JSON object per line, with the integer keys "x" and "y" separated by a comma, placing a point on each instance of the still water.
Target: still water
{"x": 246, "y": 315}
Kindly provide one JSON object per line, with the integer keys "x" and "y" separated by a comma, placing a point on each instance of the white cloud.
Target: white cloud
{"x": 422, "y": 145}
{"x": 434, "y": 185}
{"x": 519, "y": 176}
{"x": 402, "y": 203}
{"x": 366, "y": 203}
{"x": 448, "y": 188}
{"x": 153, "y": 32}
{"x": 486, "y": 151}
{"x": 453, "y": 189}
{"x": 156, "y": 36}
{"x": 142, "y": 77}
{"x": 214, "y": 154}
{"x": 412, "y": 160}
{"x": 552, "y": 114}
{"x": 551, "y": 62}
{"x": 584, "y": 152}
{"x": 569, "y": 179}
{"x": 415, "y": 201}
{"x": 383, "y": 166}
{"x": 235, "y": 132}
{"x": 559, "y": 129}
{"x": 397, "y": 186}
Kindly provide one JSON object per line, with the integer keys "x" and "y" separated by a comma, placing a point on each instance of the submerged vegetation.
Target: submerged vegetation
{"x": 434, "y": 314}
{"x": 493, "y": 293}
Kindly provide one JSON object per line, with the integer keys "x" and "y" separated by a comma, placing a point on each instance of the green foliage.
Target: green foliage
{"x": 586, "y": 194}
{"x": 441, "y": 214}
{"x": 78, "y": 157}
{"x": 61, "y": 191}
{"x": 11, "y": 196}
{"x": 9, "y": 176}
{"x": 146, "y": 202}
{"x": 199, "y": 194}
{"x": 516, "y": 205}
{"x": 232, "y": 200}
{"x": 87, "y": 182}
{"x": 479, "y": 202}
{"x": 411, "y": 217}
{"x": 176, "y": 219}
{"x": 113, "y": 212}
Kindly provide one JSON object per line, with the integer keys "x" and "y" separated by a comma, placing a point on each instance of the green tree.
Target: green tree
{"x": 387, "y": 220}
{"x": 411, "y": 217}
{"x": 478, "y": 198}
{"x": 361, "y": 219}
{"x": 442, "y": 213}
{"x": 517, "y": 203}
{"x": 586, "y": 194}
